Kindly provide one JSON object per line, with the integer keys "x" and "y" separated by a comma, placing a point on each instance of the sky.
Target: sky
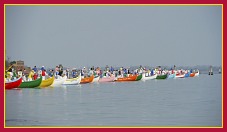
{"x": 78, "y": 36}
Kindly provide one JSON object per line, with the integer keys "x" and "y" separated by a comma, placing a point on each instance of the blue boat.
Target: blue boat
{"x": 171, "y": 76}
{"x": 187, "y": 74}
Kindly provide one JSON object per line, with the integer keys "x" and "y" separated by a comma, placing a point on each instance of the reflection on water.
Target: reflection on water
{"x": 172, "y": 102}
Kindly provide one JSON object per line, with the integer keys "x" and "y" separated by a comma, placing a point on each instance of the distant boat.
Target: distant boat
{"x": 107, "y": 79}
{"x": 219, "y": 71}
{"x": 179, "y": 75}
{"x": 187, "y": 74}
{"x": 197, "y": 73}
{"x": 129, "y": 78}
{"x": 192, "y": 74}
{"x": 87, "y": 80}
{"x": 210, "y": 71}
{"x": 162, "y": 76}
{"x": 171, "y": 76}
{"x": 73, "y": 81}
{"x": 144, "y": 78}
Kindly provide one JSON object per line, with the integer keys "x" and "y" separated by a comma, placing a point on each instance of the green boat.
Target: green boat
{"x": 139, "y": 77}
{"x": 31, "y": 84}
{"x": 161, "y": 76}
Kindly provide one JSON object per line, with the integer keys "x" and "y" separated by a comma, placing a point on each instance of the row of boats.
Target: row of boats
{"x": 57, "y": 81}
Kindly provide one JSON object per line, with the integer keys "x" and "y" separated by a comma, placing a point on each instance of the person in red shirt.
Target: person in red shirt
{"x": 43, "y": 74}
{"x": 35, "y": 76}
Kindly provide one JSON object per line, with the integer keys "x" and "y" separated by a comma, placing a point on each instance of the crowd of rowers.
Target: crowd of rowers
{"x": 121, "y": 72}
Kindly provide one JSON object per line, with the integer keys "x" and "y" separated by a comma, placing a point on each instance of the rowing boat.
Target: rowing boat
{"x": 171, "y": 76}
{"x": 13, "y": 84}
{"x": 161, "y": 76}
{"x": 180, "y": 75}
{"x": 47, "y": 82}
{"x": 59, "y": 81}
{"x": 129, "y": 78}
{"x": 197, "y": 73}
{"x": 73, "y": 81}
{"x": 192, "y": 74}
{"x": 107, "y": 79}
{"x": 144, "y": 78}
{"x": 31, "y": 84}
{"x": 87, "y": 79}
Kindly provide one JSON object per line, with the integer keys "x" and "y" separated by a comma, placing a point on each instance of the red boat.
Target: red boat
{"x": 13, "y": 84}
{"x": 192, "y": 74}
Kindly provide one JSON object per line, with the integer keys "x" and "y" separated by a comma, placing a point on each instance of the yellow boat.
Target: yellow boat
{"x": 47, "y": 82}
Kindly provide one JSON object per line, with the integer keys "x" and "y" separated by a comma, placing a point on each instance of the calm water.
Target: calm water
{"x": 175, "y": 102}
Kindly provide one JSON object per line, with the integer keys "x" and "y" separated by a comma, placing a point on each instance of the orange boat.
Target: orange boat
{"x": 87, "y": 79}
{"x": 192, "y": 74}
{"x": 129, "y": 78}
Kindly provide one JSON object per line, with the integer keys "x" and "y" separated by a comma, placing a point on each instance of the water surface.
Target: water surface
{"x": 186, "y": 102}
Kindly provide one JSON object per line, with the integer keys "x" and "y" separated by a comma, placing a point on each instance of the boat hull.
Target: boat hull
{"x": 87, "y": 80}
{"x": 196, "y": 74}
{"x": 192, "y": 74}
{"x": 171, "y": 76}
{"x": 107, "y": 79}
{"x": 31, "y": 84}
{"x": 13, "y": 84}
{"x": 180, "y": 76}
{"x": 162, "y": 76}
{"x": 59, "y": 81}
{"x": 144, "y": 78}
{"x": 47, "y": 82}
{"x": 73, "y": 81}
{"x": 187, "y": 75}
{"x": 129, "y": 78}
{"x": 139, "y": 77}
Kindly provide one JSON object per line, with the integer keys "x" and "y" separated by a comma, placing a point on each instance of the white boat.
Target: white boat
{"x": 73, "y": 81}
{"x": 144, "y": 77}
{"x": 197, "y": 73}
{"x": 59, "y": 81}
{"x": 180, "y": 75}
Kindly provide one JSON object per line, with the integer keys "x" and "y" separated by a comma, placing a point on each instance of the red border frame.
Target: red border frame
{"x": 2, "y": 2}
